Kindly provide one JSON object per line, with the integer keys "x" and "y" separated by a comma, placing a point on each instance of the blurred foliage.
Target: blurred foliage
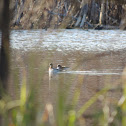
{"x": 27, "y": 111}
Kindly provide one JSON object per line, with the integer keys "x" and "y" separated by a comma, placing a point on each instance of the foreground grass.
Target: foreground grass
{"x": 26, "y": 111}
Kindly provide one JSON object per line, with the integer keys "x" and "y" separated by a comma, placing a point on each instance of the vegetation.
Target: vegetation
{"x": 26, "y": 110}
{"x": 98, "y": 14}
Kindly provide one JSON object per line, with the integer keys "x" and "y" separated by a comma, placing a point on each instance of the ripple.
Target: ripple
{"x": 95, "y": 73}
{"x": 69, "y": 40}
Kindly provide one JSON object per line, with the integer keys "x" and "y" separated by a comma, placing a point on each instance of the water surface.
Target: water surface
{"x": 95, "y": 58}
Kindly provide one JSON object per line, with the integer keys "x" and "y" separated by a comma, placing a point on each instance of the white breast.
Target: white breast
{"x": 53, "y": 72}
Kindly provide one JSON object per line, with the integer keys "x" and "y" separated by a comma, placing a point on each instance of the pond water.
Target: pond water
{"x": 95, "y": 59}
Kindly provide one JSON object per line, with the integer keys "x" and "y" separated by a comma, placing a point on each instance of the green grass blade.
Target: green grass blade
{"x": 23, "y": 93}
{"x": 72, "y": 118}
{"x": 91, "y": 101}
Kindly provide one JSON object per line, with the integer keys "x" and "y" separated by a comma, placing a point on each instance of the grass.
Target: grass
{"x": 27, "y": 111}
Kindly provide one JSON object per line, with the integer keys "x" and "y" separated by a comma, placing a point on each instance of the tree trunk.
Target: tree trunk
{"x": 82, "y": 17}
{"x": 4, "y": 52}
{"x": 101, "y": 17}
{"x": 18, "y": 12}
{"x": 92, "y": 11}
{"x": 78, "y": 21}
{"x": 85, "y": 10}
{"x": 123, "y": 20}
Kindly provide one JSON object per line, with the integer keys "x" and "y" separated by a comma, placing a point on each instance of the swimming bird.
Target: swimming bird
{"x": 61, "y": 68}
{"x": 52, "y": 71}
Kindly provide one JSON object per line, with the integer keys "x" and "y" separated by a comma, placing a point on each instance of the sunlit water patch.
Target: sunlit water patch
{"x": 69, "y": 40}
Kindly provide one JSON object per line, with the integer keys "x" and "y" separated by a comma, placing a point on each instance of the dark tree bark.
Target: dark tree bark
{"x": 4, "y": 51}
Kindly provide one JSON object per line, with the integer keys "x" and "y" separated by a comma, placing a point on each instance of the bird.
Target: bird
{"x": 52, "y": 71}
{"x": 61, "y": 68}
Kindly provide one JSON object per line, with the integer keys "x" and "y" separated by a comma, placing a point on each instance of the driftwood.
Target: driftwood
{"x": 123, "y": 22}
{"x": 18, "y": 12}
{"x": 102, "y": 18}
{"x": 59, "y": 14}
{"x": 78, "y": 21}
{"x": 81, "y": 20}
{"x": 83, "y": 14}
{"x": 107, "y": 27}
{"x": 99, "y": 27}
{"x": 85, "y": 10}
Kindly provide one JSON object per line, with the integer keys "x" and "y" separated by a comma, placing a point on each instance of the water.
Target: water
{"x": 95, "y": 59}
{"x": 70, "y": 40}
